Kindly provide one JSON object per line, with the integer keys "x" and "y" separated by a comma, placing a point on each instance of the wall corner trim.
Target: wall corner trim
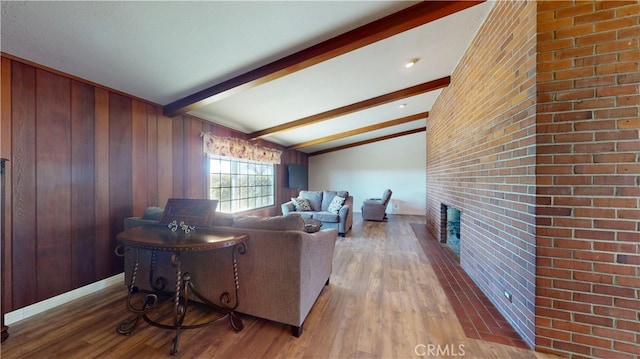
{"x": 37, "y": 308}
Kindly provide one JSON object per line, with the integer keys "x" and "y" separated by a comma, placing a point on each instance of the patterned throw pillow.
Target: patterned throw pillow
{"x": 336, "y": 204}
{"x": 301, "y": 204}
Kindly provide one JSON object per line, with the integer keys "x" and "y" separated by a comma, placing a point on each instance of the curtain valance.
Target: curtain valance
{"x": 239, "y": 149}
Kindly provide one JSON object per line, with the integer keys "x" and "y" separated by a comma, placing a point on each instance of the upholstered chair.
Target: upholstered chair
{"x": 373, "y": 209}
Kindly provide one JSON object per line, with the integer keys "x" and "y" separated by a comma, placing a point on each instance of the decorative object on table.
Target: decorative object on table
{"x": 312, "y": 225}
{"x": 374, "y": 209}
{"x": 183, "y": 226}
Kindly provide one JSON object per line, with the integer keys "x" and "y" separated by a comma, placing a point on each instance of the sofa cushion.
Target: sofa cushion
{"x": 314, "y": 198}
{"x": 326, "y": 217}
{"x": 153, "y": 213}
{"x": 301, "y": 204}
{"x": 336, "y": 204}
{"x": 290, "y": 222}
{"x": 223, "y": 219}
{"x": 327, "y": 197}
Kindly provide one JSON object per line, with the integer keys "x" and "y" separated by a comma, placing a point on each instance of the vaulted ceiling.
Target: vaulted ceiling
{"x": 315, "y": 76}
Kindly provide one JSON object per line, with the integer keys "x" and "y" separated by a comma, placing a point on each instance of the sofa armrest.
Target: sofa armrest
{"x": 346, "y": 216}
{"x": 283, "y": 272}
{"x": 344, "y": 211}
{"x": 287, "y": 208}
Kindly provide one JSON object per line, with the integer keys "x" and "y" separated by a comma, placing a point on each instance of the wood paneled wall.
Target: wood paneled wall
{"x": 83, "y": 158}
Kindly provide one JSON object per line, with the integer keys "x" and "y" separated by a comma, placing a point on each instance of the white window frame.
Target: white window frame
{"x": 241, "y": 185}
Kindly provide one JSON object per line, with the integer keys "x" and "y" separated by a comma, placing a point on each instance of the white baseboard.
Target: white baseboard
{"x": 37, "y": 308}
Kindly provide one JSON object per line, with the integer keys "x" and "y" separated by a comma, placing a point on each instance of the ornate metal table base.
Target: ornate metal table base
{"x": 184, "y": 286}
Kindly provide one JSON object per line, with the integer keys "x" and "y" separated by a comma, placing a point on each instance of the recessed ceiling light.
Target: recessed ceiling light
{"x": 402, "y": 105}
{"x": 411, "y": 62}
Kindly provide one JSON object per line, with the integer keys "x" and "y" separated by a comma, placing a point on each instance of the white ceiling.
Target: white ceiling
{"x": 165, "y": 51}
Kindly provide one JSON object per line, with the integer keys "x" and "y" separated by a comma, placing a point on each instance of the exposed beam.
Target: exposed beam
{"x": 382, "y": 138}
{"x": 383, "y": 28}
{"x": 361, "y": 130}
{"x": 355, "y": 107}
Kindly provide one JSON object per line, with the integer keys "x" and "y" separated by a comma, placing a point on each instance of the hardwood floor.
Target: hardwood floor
{"x": 384, "y": 301}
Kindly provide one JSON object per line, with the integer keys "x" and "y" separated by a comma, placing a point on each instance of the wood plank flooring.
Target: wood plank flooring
{"x": 384, "y": 301}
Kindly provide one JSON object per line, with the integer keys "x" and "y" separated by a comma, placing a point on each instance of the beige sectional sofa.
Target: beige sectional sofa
{"x": 280, "y": 276}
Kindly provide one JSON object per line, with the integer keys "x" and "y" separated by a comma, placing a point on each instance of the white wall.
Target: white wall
{"x": 366, "y": 171}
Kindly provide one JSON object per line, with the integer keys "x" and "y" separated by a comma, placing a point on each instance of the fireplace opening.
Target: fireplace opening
{"x": 450, "y": 229}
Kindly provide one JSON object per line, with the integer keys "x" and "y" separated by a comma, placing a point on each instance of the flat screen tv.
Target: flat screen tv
{"x": 297, "y": 176}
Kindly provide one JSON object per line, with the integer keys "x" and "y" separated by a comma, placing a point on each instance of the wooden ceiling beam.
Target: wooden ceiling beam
{"x": 355, "y": 107}
{"x": 409, "y": 18}
{"x": 377, "y": 139}
{"x": 361, "y": 130}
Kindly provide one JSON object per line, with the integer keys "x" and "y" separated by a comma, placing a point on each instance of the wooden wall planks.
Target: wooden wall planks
{"x": 5, "y": 150}
{"x": 177, "y": 156}
{"x": 103, "y": 251}
{"x": 53, "y": 183}
{"x": 83, "y": 168}
{"x": 165, "y": 159}
{"x": 83, "y": 158}
{"x": 151, "y": 162}
{"x": 22, "y": 171}
{"x": 120, "y": 165}
{"x": 139, "y": 150}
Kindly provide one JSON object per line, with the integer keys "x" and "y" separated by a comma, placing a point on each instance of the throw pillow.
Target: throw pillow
{"x": 336, "y": 204}
{"x": 314, "y": 198}
{"x": 301, "y": 204}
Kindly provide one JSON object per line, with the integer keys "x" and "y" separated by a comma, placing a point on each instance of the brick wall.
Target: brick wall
{"x": 537, "y": 141}
{"x": 588, "y": 221}
{"x": 481, "y": 160}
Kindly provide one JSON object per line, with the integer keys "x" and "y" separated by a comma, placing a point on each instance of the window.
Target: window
{"x": 241, "y": 185}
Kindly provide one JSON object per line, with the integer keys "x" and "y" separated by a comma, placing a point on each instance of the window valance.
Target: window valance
{"x": 239, "y": 149}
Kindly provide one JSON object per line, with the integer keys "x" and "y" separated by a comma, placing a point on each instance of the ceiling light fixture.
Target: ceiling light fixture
{"x": 411, "y": 62}
{"x": 402, "y": 105}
